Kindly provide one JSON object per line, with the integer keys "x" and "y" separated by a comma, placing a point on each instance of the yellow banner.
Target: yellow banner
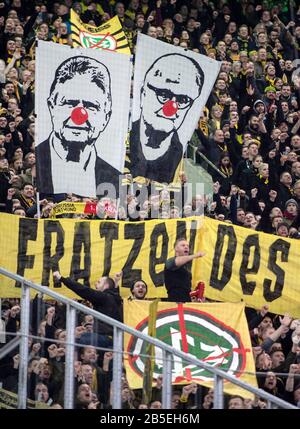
{"x": 66, "y": 207}
{"x": 240, "y": 264}
{"x": 213, "y": 333}
{"x": 90, "y": 249}
{"x": 9, "y": 400}
{"x": 246, "y": 265}
{"x": 108, "y": 36}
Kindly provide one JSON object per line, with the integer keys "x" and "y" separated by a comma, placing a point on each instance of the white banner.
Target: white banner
{"x": 82, "y": 105}
{"x": 171, "y": 87}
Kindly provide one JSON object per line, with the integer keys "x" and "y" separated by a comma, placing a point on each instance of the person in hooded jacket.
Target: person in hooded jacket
{"x": 259, "y": 107}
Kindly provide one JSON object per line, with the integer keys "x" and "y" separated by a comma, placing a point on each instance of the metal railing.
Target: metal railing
{"x": 119, "y": 328}
{"x": 9, "y": 347}
{"x": 196, "y": 151}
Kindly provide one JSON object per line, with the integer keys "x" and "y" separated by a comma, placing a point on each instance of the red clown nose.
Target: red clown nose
{"x": 170, "y": 108}
{"x": 79, "y": 115}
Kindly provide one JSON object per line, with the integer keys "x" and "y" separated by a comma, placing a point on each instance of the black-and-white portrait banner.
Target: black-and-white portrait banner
{"x": 82, "y": 106}
{"x": 171, "y": 87}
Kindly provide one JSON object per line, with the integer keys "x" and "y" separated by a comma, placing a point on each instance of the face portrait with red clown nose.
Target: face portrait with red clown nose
{"x": 79, "y": 117}
{"x": 170, "y": 87}
{"x": 80, "y": 106}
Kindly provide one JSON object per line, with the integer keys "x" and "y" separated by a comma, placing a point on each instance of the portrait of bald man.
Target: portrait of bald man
{"x": 80, "y": 106}
{"x": 171, "y": 86}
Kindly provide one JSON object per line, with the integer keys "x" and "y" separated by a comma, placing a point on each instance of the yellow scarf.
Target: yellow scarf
{"x": 271, "y": 81}
{"x": 226, "y": 170}
{"x": 266, "y": 181}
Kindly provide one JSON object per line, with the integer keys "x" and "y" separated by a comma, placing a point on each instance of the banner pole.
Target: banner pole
{"x": 117, "y": 209}
{"x": 150, "y": 354}
{"x": 38, "y": 205}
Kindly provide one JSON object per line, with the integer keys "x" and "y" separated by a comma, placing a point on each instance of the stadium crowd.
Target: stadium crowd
{"x": 250, "y": 130}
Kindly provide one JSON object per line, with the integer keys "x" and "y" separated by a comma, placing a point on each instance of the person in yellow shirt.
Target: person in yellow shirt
{"x": 132, "y": 9}
{"x": 234, "y": 53}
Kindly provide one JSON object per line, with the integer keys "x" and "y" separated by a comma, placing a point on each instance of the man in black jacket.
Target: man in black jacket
{"x": 105, "y": 299}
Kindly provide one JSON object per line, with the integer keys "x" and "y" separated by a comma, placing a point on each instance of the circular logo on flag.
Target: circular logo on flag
{"x": 97, "y": 41}
{"x": 195, "y": 332}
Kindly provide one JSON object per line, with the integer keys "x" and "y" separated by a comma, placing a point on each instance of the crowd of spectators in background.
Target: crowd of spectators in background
{"x": 250, "y": 130}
